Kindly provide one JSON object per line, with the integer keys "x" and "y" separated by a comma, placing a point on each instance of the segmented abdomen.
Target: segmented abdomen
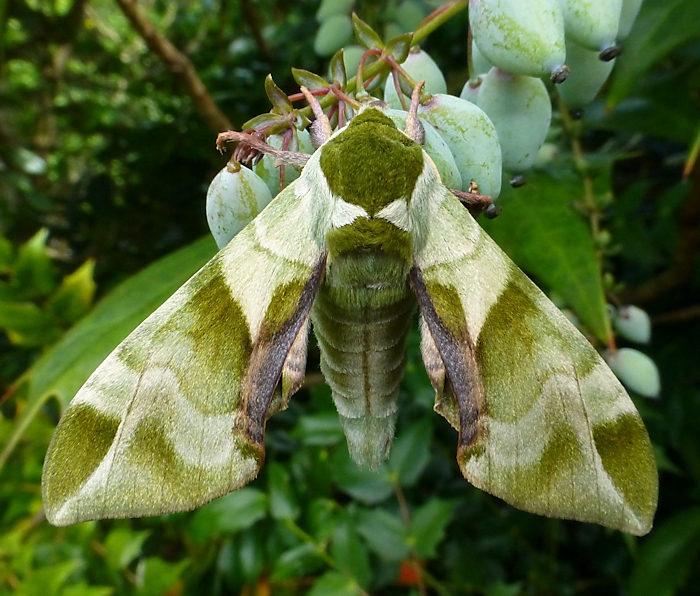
{"x": 361, "y": 331}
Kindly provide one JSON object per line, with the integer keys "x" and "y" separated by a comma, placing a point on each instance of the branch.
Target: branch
{"x": 683, "y": 266}
{"x": 179, "y": 65}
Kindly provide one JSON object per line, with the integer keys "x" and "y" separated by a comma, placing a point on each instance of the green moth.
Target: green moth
{"x": 364, "y": 238}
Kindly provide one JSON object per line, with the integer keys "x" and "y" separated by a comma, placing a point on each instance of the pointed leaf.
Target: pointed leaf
{"x": 262, "y": 120}
{"x": 660, "y": 28}
{"x": 428, "y": 525}
{"x": 283, "y": 501}
{"x": 385, "y": 534}
{"x": 361, "y": 484}
{"x": 399, "y": 46}
{"x": 666, "y": 557}
{"x": 75, "y": 294}
{"x": 338, "y": 69}
{"x": 350, "y": 554}
{"x": 309, "y": 79}
{"x": 333, "y": 583}
{"x": 156, "y": 577}
{"x": 411, "y": 452}
{"x": 236, "y": 511}
{"x": 367, "y": 36}
{"x": 543, "y": 233}
{"x": 297, "y": 562}
{"x": 277, "y": 97}
{"x": 66, "y": 366}
{"x": 33, "y": 269}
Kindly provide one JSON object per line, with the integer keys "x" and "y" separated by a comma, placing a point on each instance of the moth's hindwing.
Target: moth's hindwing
{"x": 175, "y": 416}
{"x": 544, "y": 424}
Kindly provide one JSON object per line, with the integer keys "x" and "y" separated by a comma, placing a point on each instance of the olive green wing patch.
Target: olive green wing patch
{"x": 544, "y": 423}
{"x": 175, "y": 416}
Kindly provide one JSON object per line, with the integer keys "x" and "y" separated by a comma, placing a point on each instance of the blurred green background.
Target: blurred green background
{"x": 105, "y": 158}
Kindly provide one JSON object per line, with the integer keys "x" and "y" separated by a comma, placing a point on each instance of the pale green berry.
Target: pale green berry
{"x": 523, "y": 37}
{"x": 592, "y": 23}
{"x": 633, "y": 323}
{"x": 587, "y": 76}
{"x": 333, "y": 34}
{"x": 235, "y": 197}
{"x": 636, "y": 371}
{"x": 471, "y": 137}
{"x": 520, "y": 109}
{"x": 630, "y": 10}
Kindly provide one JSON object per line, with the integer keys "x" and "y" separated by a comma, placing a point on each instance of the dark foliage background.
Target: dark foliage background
{"x": 105, "y": 158}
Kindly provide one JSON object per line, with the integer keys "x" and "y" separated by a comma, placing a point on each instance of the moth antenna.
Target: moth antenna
{"x": 320, "y": 129}
{"x": 414, "y": 127}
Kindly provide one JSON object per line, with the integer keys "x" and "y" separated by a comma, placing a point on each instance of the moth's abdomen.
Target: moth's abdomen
{"x": 361, "y": 329}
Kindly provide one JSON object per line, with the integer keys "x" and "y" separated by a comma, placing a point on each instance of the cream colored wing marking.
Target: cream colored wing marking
{"x": 175, "y": 416}
{"x": 544, "y": 424}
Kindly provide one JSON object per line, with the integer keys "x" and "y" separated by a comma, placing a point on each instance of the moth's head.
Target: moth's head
{"x": 371, "y": 163}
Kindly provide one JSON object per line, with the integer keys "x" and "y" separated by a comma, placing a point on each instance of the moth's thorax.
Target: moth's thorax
{"x": 371, "y": 163}
{"x": 371, "y": 169}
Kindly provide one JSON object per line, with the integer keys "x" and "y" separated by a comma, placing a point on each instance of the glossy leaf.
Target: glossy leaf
{"x": 549, "y": 239}
{"x": 367, "y": 36}
{"x": 278, "y": 98}
{"x": 309, "y": 79}
{"x": 62, "y": 370}
{"x": 429, "y": 525}
{"x": 229, "y": 514}
{"x": 660, "y": 28}
{"x": 350, "y": 554}
{"x": 666, "y": 557}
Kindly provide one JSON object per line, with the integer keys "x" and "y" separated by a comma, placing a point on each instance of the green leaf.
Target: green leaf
{"x": 667, "y": 556}
{"x": 297, "y": 562}
{"x": 23, "y": 317}
{"x": 33, "y": 268}
{"x": 265, "y": 120}
{"x": 75, "y": 294}
{"x": 399, "y": 46}
{"x": 410, "y": 452}
{"x": 543, "y": 233}
{"x": 319, "y": 429}
{"x": 660, "y": 28}
{"x": 428, "y": 524}
{"x": 46, "y": 581}
{"x": 123, "y": 546}
{"x": 86, "y": 590}
{"x": 6, "y": 254}
{"x": 231, "y": 513}
{"x": 283, "y": 501}
{"x": 278, "y": 98}
{"x": 334, "y": 584}
{"x": 367, "y": 36}
{"x": 500, "y": 588}
{"x": 323, "y": 515}
{"x": 361, "y": 484}
{"x": 309, "y": 79}
{"x": 66, "y": 366}
{"x": 350, "y": 554}
{"x": 251, "y": 554}
{"x": 156, "y": 577}
{"x": 385, "y": 534}
{"x": 338, "y": 69}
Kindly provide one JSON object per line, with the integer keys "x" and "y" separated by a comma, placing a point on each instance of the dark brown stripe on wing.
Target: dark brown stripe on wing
{"x": 456, "y": 348}
{"x": 270, "y": 351}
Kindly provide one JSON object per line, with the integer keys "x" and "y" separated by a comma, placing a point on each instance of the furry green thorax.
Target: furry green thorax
{"x": 371, "y": 164}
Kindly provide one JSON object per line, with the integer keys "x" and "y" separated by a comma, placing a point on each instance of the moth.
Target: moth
{"x": 364, "y": 238}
